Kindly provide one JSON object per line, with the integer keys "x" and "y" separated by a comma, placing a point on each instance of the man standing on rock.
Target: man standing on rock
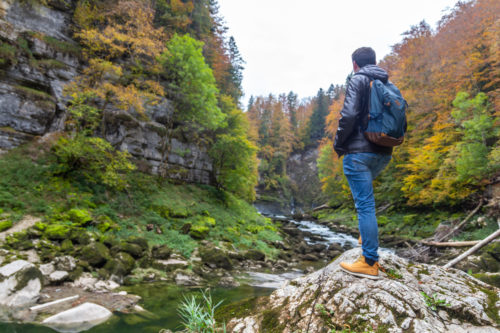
{"x": 363, "y": 160}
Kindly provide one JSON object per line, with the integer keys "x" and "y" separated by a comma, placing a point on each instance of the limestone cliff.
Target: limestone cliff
{"x": 415, "y": 298}
{"x": 301, "y": 192}
{"x": 39, "y": 58}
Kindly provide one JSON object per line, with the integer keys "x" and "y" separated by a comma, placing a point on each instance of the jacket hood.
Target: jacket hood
{"x": 374, "y": 72}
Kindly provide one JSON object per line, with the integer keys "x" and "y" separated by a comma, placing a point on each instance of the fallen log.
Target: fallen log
{"x": 461, "y": 224}
{"x": 479, "y": 245}
{"x": 450, "y": 244}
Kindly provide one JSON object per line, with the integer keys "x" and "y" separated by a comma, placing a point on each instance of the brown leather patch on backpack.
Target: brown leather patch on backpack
{"x": 383, "y": 139}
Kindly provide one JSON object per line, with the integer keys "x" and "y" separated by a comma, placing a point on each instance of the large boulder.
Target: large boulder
{"x": 20, "y": 284}
{"x": 415, "y": 298}
{"x": 95, "y": 254}
{"x": 80, "y": 318}
{"x": 215, "y": 257}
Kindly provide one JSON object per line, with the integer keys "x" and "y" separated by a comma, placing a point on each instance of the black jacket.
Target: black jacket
{"x": 354, "y": 114}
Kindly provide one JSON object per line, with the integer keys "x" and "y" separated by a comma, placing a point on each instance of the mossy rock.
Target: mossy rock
{"x": 121, "y": 264}
{"x": 76, "y": 273}
{"x": 489, "y": 278}
{"x": 96, "y": 254}
{"x": 161, "y": 252}
{"x": 133, "y": 249}
{"x": 141, "y": 241}
{"x": 145, "y": 262}
{"x": 109, "y": 240}
{"x": 80, "y": 236}
{"x": 67, "y": 245}
{"x": 105, "y": 223}
{"x": 206, "y": 220}
{"x": 57, "y": 231}
{"x": 80, "y": 217}
{"x": 254, "y": 255}
{"x": 20, "y": 241}
{"x": 40, "y": 226}
{"x": 177, "y": 212}
{"x": 214, "y": 256}
{"x": 199, "y": 231}
{"x": 5, "y": 224}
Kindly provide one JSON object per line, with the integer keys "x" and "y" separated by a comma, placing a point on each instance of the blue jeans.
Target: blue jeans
{"x": 361, "y": 169}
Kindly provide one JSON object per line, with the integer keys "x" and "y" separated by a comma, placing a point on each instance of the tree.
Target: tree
{"x": 191, "y": 83}
{"x": 234, "y": 155}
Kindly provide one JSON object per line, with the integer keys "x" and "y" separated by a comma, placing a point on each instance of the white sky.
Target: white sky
{"x": 306, "y": 45}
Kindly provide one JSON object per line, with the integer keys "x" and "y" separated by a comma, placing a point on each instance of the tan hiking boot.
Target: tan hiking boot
{"x": 361, "y": 268}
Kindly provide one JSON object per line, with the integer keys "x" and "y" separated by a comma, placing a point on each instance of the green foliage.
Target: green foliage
{"x": 84, "y": 115}
{"x": 147, "y": 200}
{"x": 234, "y": 155}
{"x": 93, "y": 158}
{"x": 433, "y": 302}
{"x": 191, "y": 83}
{"x": 199, "y": 315}
{"x": 7, "y": 54}
{"x": 5, "y": 224}
{"x": 477, "y": 128}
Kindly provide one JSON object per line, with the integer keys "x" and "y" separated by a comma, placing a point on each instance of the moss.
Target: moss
{"x": 67, "y": 245}
{"x": 40, "y": 226}
{"x": 95, "y": 254}
{"x": 141, "y": 241}
{"x": 199, "y": 231}
{"x": 80, "y": 236}
{"x": 57, "y": 231}
{"x": 493, "y": 279}
{"x": 491, "y": 309}
{"x": 121, "y": 264}
{"x": 80, "y": 217}
{"x": 62, "y": 46}
{"x": 161, "y": 252}
{"x": 5, "y": 224}
{"x": 24, "y": 276}
{"x": 270, "y": 321}
{"x": 19, "y": 241}
{"x": 51, "y": 64}
{"x": 7, "y": 54}
{"x": 133, "y": 249}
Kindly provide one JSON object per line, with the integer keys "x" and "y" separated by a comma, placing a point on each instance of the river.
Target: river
{"x": 162, "y": 300}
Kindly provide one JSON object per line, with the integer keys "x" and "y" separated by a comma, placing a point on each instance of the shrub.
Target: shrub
{"x": 94, "y": 159}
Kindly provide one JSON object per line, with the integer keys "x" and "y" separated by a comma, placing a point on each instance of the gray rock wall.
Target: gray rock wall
{"x": 32, "y": 102}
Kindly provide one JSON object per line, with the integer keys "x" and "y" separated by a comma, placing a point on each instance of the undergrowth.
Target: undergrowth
{"x": 148, "y": 206}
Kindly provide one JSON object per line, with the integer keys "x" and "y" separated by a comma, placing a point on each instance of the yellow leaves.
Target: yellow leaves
{"x": 129, "y": 31}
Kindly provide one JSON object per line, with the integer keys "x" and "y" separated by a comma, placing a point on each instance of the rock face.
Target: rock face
{"x": 39, "y": 58}
{"x": 304, "y": 187}
{"x": 20, "y": 284}
{"x": 418, "y": 298}
{"x": 80, "y": 318}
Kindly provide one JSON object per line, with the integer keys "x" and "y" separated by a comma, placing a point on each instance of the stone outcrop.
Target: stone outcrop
{"x": 413, "y": 298}
{"x": 20, "y": 284}
{"x": 39, "y": 58}
{"x": 80, "y": 318}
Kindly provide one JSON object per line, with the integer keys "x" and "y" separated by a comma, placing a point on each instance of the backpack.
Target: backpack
{"x": 386, "y": 115}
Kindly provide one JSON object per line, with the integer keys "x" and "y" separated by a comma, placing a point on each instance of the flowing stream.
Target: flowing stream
{"x": 162, "y": 300}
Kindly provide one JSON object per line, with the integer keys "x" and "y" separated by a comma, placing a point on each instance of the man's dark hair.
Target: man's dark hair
{"x": 364, "y": 56}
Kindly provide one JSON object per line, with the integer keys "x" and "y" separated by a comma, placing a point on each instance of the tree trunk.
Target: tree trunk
{"x": 479, "y": 245}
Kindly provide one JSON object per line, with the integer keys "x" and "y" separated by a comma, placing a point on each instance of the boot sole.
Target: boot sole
{"x": 368, "y": 276}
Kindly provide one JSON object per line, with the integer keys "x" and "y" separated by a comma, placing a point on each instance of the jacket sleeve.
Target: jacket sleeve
{"x": 349, "y": 113}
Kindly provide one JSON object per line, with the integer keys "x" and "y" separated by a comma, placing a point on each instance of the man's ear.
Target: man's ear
{"x": 355, "y": 66}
